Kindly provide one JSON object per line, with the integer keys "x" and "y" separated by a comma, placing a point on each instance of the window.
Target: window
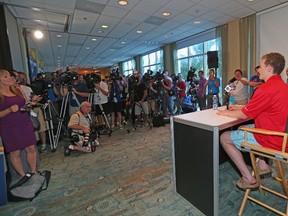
{"x": 128, "y": 67}
{"x": 196, "y": 56}
{"x": 152, "y": 61}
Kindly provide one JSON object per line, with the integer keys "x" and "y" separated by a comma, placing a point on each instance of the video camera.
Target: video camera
{"x": 68, "y": 77}
{"x": 92, "y": 79}
{"x": 41, "y": 85}
{"x": 114, "y": 75}
{"x": 159, "y": 77}
{"x": 191, "y": 74}
{"x": 175, "y": 78}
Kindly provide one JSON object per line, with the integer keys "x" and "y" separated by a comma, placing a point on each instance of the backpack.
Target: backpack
{"x": 158, "y": 120}
{"x": 29, "y": 186}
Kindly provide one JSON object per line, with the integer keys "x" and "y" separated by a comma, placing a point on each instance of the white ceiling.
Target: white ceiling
{"x": 83, "y": 20}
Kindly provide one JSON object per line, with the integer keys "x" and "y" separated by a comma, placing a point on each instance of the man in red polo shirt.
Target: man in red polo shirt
{"x": 268, "y": 108}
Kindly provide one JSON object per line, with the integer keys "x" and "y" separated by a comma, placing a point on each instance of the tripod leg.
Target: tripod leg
{"x": 106, "y": 119}
{"x": 49, "y": 126}
{"x": 61, "y": 119}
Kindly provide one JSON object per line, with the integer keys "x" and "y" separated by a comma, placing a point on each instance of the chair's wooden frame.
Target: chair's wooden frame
{"x": 279, "y": 156}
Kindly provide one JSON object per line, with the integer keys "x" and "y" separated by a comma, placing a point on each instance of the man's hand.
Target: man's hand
{"x": 86, "y": 130}
{"x": 223, "y": 112}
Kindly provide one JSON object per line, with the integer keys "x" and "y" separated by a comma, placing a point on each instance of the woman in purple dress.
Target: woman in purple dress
{"x": 16, "y": 129}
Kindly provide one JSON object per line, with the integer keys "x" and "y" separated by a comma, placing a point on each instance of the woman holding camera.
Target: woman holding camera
{"x": 16, "y": 128}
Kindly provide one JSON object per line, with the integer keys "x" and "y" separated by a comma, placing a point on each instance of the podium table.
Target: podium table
{"x": 196, "y": 157}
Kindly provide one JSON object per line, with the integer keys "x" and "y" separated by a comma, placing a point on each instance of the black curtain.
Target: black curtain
{"x": 5, "y": 54}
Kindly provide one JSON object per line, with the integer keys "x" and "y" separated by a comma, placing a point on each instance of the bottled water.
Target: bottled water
{"x": 215, "y": 102}
{"x": 231, "y": 100}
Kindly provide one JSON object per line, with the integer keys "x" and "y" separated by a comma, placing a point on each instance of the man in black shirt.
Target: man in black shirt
{"x": 140, "y": 99}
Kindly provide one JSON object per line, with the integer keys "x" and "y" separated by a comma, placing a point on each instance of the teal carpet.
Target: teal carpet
{"x": 128, "y": 175}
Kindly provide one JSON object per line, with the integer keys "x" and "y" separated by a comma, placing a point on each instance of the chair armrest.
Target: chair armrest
{"x": 263, "y": 131}
{"x": 246, "y": 145}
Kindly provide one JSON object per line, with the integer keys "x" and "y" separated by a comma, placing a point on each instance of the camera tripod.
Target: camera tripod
{"x": 132, "y": 116}
{"x": 91, "y": 100}
{"x": 47, "y": 109}
{"x": 62, "y": 113}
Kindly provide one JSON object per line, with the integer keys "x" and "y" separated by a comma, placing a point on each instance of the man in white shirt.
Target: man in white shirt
{"x": 240, "y": 92}
{"x": 101, "y": 104}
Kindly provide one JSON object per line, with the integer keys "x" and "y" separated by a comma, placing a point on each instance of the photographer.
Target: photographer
{"x": 100, "y": 98}
{"x": 81, "y": 92}
{"x": 181, "y": 86}
{"x": 140, "y": 98}
{"x": 39, "y": 89}
{"x": 213, "y": 84}
{"x": 115, "y": 98}
{"x": 168, "y": 102}
{"x": 83, "y": 137}
{"x": 201, "y": 93}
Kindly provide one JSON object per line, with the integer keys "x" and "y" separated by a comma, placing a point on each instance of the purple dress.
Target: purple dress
{"x": 16, "y": 128}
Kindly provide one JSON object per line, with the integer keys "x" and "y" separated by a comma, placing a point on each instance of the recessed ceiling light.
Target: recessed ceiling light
{"x": 94, "y": 39}
{"x": 37, "y": 20}
{"x": 59, "y": 36}
{"x": 250, "y": 0}
{"x": 100, "y": 31}
{"x": 166, "y": 13}
{"x": 197, "y": 22}
{"x": 165, "y": 36}
{"x": 123, "y": 42}
{"x": 38, "y": 34}
{"x": 122, "y": 2}
{"x": 59, "y": 45}
{"x": 87, "y": 48}
{"x": 104, "y": 26}
{"x": 139, "y": 31}
{"x": 58, "y": 57}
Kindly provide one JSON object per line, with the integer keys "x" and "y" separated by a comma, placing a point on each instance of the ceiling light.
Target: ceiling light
{"x": 139, "y": 31}
{"x": 87, "y": 48}
{"x": 100, "y": 31}
{"x": 94, "y": 39}
{"x": 197, "y": 22}
{"x": 59, "y": 45}
{"x": 123, "y": 42}
{"x": 38, "y": 34}
{"x": 122, "y": 2}
{"x": 250, "y": 0}
{"x": 166, "y": 13}
{"x": 59, "y": 36}
{"x": 104, "y": 26}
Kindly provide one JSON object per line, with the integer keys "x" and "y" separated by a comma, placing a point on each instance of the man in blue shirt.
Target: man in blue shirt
{"x": 213, "y": 84}
{"x": 255, "y": 81}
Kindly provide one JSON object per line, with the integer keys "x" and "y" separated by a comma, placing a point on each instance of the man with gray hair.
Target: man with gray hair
{"x": 83, "y": 139}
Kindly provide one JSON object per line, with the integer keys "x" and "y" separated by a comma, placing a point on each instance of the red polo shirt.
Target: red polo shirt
{"x": 269, "y": 109}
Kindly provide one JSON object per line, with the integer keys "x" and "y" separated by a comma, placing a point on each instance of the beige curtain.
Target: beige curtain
{"x": 248, "y": 45}
{"x": 222, "y": 32}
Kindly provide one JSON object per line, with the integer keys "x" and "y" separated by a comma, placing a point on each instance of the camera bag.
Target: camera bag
{"x": 158, "y": 120}
{"x": 29, "y": 186}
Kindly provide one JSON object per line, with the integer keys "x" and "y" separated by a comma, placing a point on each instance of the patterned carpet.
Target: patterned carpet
{"x": 130, "y": 174}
